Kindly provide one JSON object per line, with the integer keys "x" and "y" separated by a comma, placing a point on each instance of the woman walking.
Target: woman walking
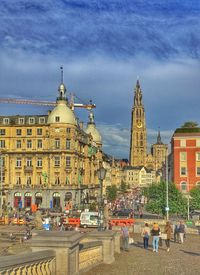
{"x": 155, "y": 232}
{"x": 168, "y": 231}
{"x": 146, "y": 234}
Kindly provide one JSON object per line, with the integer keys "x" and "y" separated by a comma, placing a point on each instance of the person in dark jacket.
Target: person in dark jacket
{"x": 181, "y": 231}
{"x": 168, "y": 230}
{"x": 155, "y": 232}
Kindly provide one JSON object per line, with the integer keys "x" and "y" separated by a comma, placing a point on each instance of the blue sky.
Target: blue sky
{"x": 104, "y": 46}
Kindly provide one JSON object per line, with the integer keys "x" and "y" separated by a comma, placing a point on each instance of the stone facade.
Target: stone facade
{"x": 49, "y": 160}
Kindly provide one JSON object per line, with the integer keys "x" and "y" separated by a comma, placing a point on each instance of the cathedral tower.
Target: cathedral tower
{"x": 138, "y": 142}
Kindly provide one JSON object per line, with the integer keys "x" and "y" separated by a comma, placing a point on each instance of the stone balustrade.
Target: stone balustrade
{"x": 63, "y": 253}
{"x": 42, "y": 263}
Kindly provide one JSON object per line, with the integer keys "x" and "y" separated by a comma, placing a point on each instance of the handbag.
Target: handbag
{"x": 163, "y": 236}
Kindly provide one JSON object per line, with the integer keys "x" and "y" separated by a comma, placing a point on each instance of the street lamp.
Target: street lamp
{"x": 101, "y": 173}
{"x": 167, "y": 189}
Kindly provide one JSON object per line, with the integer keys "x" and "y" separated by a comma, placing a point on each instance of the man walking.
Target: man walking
{"x": 181, "y": 231}
{"x": 125, "y": 237}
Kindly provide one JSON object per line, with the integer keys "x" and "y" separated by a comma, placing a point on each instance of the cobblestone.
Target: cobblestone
{"x": 181, "y": 260}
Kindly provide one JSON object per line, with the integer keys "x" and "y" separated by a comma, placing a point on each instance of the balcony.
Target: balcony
{"x": 28, "y": 169}
{"x": 68, "y": 169}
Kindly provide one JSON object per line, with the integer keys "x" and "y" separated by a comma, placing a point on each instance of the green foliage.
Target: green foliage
{"x": 195, "y": 201}
{"x": 93, "y": 206}
{"x": 111, "y": 192}
{"x": 190, "y": 124}
{"x": 156, "y": 195}
{"x": 123, "y": 187}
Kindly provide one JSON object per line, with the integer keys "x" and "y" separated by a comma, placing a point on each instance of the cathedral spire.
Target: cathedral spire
{"x": 159, "y": 141}
{"x": 138, "y": 94}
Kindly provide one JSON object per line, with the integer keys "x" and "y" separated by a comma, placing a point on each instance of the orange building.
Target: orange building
{"x": 185, "y": 158}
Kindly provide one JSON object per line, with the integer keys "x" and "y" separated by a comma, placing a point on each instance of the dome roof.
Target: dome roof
{"x": 62, "y": 114}
{"x": 91, "y": 129}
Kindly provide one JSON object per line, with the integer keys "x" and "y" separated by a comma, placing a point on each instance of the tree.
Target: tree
{"x": 190, "y": 124}
{"x": 111, "y": 192}
{"x": 156, "y": 196}
{"x": 195, "y": 201}
{"x": 123, "y": 187}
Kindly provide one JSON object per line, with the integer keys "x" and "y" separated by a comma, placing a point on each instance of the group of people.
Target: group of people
{"x": 179, "y": 231}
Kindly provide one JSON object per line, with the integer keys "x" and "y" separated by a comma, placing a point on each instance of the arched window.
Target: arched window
{"x": 183, "y": 186}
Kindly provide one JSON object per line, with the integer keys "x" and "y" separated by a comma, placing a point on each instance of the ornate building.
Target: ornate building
{"x": 138, "y": 144}
{"x": 49, "y": 160}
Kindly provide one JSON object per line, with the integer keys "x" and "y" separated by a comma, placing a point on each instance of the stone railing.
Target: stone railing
{"x": 42, "y": 263}
{"x": 62, "y": 253}
{"x": 90, "y": 255}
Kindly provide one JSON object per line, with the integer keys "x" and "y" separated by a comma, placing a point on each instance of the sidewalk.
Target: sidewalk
{"x": 183, "y": 259}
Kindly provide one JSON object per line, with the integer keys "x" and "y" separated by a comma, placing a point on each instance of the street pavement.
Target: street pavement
{"x": 182, "y": 259}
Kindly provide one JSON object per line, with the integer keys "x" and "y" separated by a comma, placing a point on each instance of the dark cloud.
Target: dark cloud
{"x": 104, "y": 45}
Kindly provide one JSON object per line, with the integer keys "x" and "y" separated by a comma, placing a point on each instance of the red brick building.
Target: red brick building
{"x": 185, "y": 158}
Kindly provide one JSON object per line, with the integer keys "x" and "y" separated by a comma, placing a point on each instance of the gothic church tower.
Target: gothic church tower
{"x": 138, "y": 142}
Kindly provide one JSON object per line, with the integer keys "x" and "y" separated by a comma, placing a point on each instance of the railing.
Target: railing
{"x": 90, "y": 255}
{"x": 32, "y": 263}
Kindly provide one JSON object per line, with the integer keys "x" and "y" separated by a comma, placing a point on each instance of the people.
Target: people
{"x": 125, "y": 237}
{"x": 146, "y": 234}
{"x": 155, "y": 232}
{"x": 168, "y": 230}
{"x": 176, "y": 232}
{"x": 181, "y": 231}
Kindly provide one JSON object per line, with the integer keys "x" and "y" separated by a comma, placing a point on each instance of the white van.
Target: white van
{"x": 89, "y": 219}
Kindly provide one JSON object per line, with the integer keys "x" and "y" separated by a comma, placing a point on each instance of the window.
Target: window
{"x": 39, "y": 162}
{"x": 57, "y": 161}
{"x": 18, "y": 180}
{"x": 39, "y": 131}
{"x": 68, "y": 130}
{"x": 198, "y": 156}
{"x": 28, "y": 162}
{"x": 29, "y": 132}
{"x": 6, "y": 120}
{"x": 2, "y": 144}
{"x": 18, "y": 144}
{"x": 39, "y": 143}
{"x": 29, "y": 143}
{"x": 18, "y": 162}
{"x": 198, "y": 184}
{"x": 21, "y": 120}
{"x": 57, "y": 119}
{"x": 68, "y": 161}
{"x": 2, "y": 132}
{"x": 31, "y": 120}
{"x": 68, "y": 143}
{"x": 183, "y": 143}
{"x": 198, "y": 171}
{"x": 57, "y": 180}
{"x": 183, "y": 171}
{"x": 198, "y": 143}
{"x": 183, "y": 156}
{"x": 28, "y": 180}
{"x": 18, "y": 132}
{"x": 57, "y": 143}
{"x": 183, "y": 186}
{"x": 39, "y": 179}
{"x": 41, "y": 120}
{"x": 2, "y": 162}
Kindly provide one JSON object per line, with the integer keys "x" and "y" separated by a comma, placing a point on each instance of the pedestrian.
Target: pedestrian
{"x": 181, "y": 231}
{"x": 168, "y": 231}
{"x": 176, "y": 232}
{"x": 109, "y": 225}
{"x": 155, "y": 232}
{"x": 146, "y": 234}
{"x": 125, "y": 237}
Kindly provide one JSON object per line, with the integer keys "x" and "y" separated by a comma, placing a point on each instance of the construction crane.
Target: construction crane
{"x": 48, "y": 103}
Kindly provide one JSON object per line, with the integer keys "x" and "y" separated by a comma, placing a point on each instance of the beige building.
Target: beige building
{"x": 49, "y": 160}
{"x": 138, "y": 176}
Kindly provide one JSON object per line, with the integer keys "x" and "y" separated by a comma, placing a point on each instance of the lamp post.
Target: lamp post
{"x": 167, "y": 189}
{"x": 101, "y": 173}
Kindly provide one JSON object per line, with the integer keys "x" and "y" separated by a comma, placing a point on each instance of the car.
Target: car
{"x": 122, "y": 213}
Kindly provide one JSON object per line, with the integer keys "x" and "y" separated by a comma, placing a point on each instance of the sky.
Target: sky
{"x": 104, "y": 46}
